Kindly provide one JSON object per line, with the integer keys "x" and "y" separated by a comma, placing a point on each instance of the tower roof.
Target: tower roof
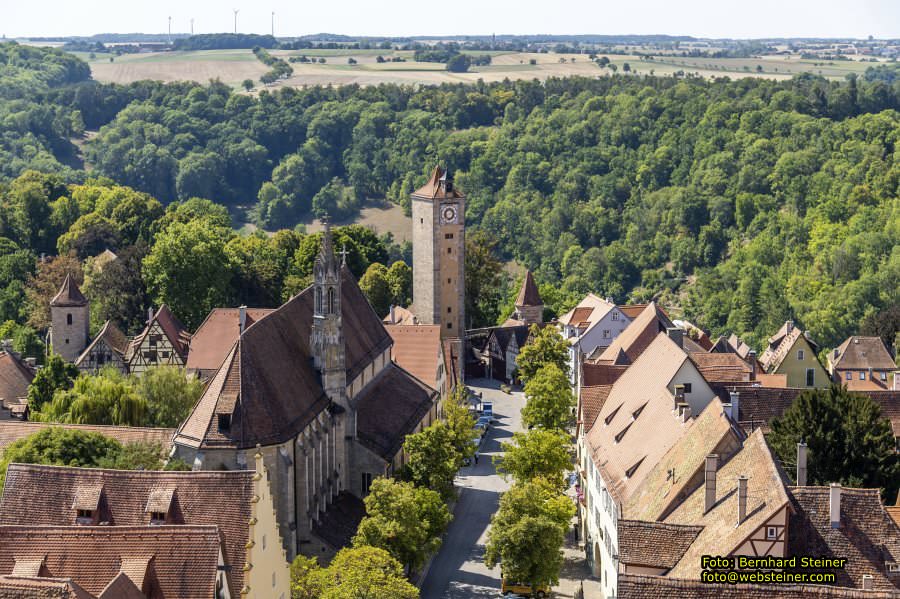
{"x": 529, "y": 294}
{"x": 69, "y": 295}
{"x": 439, "y": 186}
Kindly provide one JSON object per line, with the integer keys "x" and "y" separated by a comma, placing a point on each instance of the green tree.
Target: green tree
{"x": 849, "y": 440}
{"x": 484, "y": 280}
{"x": 135, "y": 456}
{"x": 432, "y": 459}
{"x": 527, "y": 532}
{"x": 104, "y": 398}
{"x": 189, "y": 270}
{"x": 376, "y": 286}
{"x": 459, "y": 63}
{"x": 404, "y": 520}
{"x": 45, "y": 284}
{"x": 399, "y": 277}
{"x": 536, "y": 453}
{"x": 56, "y": 375}
{"x": 247, "y": 84}
{"x": 547, "y": 346}
{"x": 549, "y": 399}
{"x": 117, "y": 292}
{"x": 169, "y": 393}
{"x": 460, "y": 422}
{"x": 59, "y": 447}
{"x": 354, "y": 573}
{"x": 25, "y": 340}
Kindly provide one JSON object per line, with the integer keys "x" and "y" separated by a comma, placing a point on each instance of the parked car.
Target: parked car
{"x": 509, "y": 589}
{"x": 487, "y": 409}
{"x": 485, "y": 420}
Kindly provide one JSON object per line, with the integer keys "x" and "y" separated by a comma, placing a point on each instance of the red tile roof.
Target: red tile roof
{"x": 721, "y": 368}
{"x": 212, "y": 341}
{"x": 862, "y": 353}
{"x": 21, "y": 587}
{"x": 529, "y": 294}
{"x": 592, "y": 400}
{"x": 867, "y": 536}
{"x": 417, "y": 349}
{"x": 636, "y": 337}
{"x": 184, "y": 558}
{"x": 436, "y": 187}
{"x": 601, "y": 374}
{"x": 15, "y": 377}
{"x": 36, "y": 495}
{"x": 69, "y": 295}
{"x": 654, "y": 544}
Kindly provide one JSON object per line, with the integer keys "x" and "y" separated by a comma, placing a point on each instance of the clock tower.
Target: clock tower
{"x": 439, "y": 255}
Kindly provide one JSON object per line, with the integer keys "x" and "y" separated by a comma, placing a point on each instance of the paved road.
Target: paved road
{"x": 458, "y": 570}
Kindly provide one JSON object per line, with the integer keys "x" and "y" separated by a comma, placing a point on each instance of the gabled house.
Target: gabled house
{"x": 15, "y": 377}
{"x": 146, "y": 514}
{"x": 594, "y": 323}
{"x": 164, "y": 342}
{"x": 862, "y": 363}
{"x": 107, "y": 350}
{"x": 792, "y": 352}
{"x": 418, "y": 350}
{"x": 210, "y": 343}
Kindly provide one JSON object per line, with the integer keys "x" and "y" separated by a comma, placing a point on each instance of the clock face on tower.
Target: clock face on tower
{"x": 449, "y": 214}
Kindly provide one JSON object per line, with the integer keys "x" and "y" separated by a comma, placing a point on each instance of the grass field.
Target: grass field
{"x": 233, "y": 66}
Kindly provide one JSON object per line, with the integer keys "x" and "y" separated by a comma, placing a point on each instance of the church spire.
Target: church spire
{"x": 327, "y": 336}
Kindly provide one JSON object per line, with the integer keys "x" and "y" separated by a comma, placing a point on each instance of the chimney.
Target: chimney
{"x": 751, "y": 356}
{"x": 676, "y": 335}
{"x": 835, "y": 507}
{"x": 868, "y": 582}
{"x": 242, "y": 319}
{"x": 31, "y": 362}
{"x": 712, "y": 464}
{"x": 679, "y": 395}
{"x": 790, "y": 326}
{"x": 870, "y": 373}
{"x": 393, "y": 318}
{"x": 735, "y": 405}
{"x": 742, "y": 498}
{"x": 684, "y": 411}
{"x": 801, "y": 464}
{"x": 149, "y": 315}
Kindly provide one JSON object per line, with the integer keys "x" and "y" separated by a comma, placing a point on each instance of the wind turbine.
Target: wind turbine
{"x": 170, "y": 30}
{"x": 273, "y": 23}
{"x": 236, "y": 11}
{"x": 192, "y": 26}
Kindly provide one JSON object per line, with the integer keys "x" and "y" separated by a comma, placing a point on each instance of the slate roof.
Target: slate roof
{"x": 528, "y": 293}
{"x": 654, "y": 544}
{"x": 268, "y": 382}
{"x": 637, "y": 336}
{"x": 212, "y": 341}
{"x": 632, "y": 586}
{"x": 862, "y": 353}
{"x": 436, "y": 187}
{"x": 13, "y": 430}
{"x": 389, "y": 408}
{"x": 661, "y": 491}
{"x": 341, "y": 519}
{"x": 639, "y": 408}
{"x": 208, "y": 498}
{"x": 69, "y": 295}
{"x": 15, "y": 377}
{"x": 184, "y": 558}
{"x": 417, "y": 349}
{"x": 766, "y": 495}
{"x": 867, "y": 536}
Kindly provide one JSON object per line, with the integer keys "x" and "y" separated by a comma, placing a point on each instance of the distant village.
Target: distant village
{"x": 306, "y": 405}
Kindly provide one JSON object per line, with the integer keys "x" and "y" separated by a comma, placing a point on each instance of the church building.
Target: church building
{"x": 312, "y": 387}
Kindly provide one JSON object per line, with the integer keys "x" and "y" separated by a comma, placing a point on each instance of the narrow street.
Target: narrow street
{"x": 458, "y": 570}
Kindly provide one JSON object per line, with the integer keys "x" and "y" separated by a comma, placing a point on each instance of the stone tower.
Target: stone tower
{"x": 439, "y": 254}
{"x": 529, "y": 305}
{"x": 70, "y": 316}
{"x": 327, "y": 338}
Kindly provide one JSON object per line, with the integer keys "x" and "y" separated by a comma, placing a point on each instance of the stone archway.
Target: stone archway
{"x": 596, "y": 570}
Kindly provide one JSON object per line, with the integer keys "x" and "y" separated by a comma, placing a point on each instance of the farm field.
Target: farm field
{"x": 234, "y": 66}
{"x": 382, "y": 217}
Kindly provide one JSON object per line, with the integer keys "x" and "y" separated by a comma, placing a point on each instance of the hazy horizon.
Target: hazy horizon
{"x": 404, "y": 18}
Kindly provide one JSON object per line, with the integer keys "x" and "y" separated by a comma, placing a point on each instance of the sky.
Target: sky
{"x": 699, "y": 18}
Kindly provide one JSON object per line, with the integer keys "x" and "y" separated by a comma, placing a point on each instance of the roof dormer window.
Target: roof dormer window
{"x": 159, "y": 505}
{"x": 157, "y": 518}
{"x": 84, "y": 517}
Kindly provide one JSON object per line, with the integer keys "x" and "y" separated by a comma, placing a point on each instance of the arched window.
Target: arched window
{"x": 68, "y": 319}
{"x": 318, "y": 300}
{"x": 331, "y": 300}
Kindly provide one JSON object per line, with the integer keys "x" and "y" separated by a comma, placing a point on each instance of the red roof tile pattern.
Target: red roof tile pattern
{"x": 862, "y": 353}
{"x": 636, "y": 337}
{"x": 15, "y": 377}
{"x": 13, "y": 430}
{"x": 632, "y": 586}
{"x": 212, "y": 341}
{"x": 601, "y": 374}
{"x": 69, "y": 295}
{"x": 721, "y": 368}
{"x": 654, "y": 544}
{"x": 220, "y": 498}
{"x": 632, "y": 311}
{"x": 270, "y": 385}
{"x": 436, "y": 187}
{"x": 389, "y": 408}
{"x": 894, "y": 512}
{"x": 766, "y": 495}
{"x": 529, "y": 294}
{"x": 184, "y": 558}
{"x": 417, "y": 349}
{"x": 867, "y": 536}
{"x": 592, "y": 400}
{"x": 17, "y": 587}
{"x": 338, "y": 524}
